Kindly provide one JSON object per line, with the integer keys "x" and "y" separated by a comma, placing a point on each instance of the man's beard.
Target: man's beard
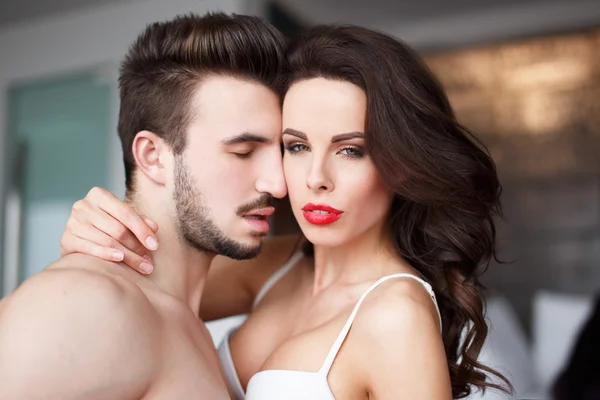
{"x": 195, "y": 224}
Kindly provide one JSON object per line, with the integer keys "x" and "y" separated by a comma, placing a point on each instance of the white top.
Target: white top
{"x": 297, "y": 385}
{"x": 225, "y": 352}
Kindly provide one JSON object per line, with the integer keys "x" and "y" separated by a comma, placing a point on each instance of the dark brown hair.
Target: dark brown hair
{"x": 446, "y": 185}
{"x": 168, "y": 61}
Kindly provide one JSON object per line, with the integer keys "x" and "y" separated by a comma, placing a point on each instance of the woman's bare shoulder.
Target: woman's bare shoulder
{"x": 397, "y": 335}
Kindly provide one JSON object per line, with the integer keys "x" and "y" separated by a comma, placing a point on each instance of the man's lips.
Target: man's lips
{"x": 258, "y": 219}
{"x": 261, "y": 212}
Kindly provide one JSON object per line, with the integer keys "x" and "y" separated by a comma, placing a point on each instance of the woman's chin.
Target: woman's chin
{"x": 324, "y": 238}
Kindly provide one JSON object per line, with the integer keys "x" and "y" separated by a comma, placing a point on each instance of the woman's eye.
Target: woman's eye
{"x": 296, "y": 147}
{"x": 352, "y": 152}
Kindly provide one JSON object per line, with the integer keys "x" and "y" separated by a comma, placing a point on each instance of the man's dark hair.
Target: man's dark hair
{"x": 168, "y": 61}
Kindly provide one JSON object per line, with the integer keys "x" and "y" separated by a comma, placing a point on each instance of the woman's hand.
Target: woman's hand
{"x": 105, "y": 227}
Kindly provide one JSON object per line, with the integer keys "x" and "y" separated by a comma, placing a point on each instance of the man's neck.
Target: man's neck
{"x": 179, "y": 269}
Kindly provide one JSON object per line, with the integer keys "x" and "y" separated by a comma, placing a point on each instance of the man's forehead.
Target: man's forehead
{"x": 216, "y": 90}
{"x": 229, "y": 110}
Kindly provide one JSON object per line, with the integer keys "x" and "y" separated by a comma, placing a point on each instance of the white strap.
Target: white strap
{"x": 277, "y": 275}
{"x": 342, "y": 336}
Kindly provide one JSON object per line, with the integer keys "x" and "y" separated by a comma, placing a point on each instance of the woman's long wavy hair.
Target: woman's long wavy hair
{"x": 446, "y": 185}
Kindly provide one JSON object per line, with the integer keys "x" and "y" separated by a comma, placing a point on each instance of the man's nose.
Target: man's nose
{"x": 271, "y": 179}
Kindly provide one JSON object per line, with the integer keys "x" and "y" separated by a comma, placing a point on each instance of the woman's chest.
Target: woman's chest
{"x": 286, "y": 337}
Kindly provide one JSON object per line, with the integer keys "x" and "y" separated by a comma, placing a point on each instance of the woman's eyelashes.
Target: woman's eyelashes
{"x": 352, "y": 152}
{"x": 348, "y": 151}
{"x": 294, "y": 147}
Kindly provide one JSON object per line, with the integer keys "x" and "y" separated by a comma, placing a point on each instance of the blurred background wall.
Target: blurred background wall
{"x": 524, "y": 75}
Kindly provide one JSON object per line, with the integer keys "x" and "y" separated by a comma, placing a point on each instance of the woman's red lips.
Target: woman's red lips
{"x": 321, "y": 214}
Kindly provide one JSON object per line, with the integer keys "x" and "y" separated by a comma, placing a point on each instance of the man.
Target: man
{"x": 200, "y": 124}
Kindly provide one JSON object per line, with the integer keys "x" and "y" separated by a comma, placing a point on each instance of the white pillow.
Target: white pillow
{"x": 557, "y": 320}
{"x": 507, "y": 351}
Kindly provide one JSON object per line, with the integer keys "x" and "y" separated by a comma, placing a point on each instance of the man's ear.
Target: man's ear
{"x": 151, "y": 155}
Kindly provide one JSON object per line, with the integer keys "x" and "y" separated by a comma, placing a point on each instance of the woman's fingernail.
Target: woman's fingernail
{"x": 151, "y": 243}
{"x": 118, "y": 255}
{"x": 145, "y": 267}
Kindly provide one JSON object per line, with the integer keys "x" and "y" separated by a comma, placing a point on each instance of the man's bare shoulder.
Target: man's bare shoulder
{"x": 69, "y": 329}
{"x": 80, "y": 282}
{"x": 81, "y": 285}
{"x": 81, "y": 262}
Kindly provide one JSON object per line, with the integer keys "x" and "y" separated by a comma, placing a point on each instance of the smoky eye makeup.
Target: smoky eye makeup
{"x": 352, "y": 152}
{"x": 293, "y": 147}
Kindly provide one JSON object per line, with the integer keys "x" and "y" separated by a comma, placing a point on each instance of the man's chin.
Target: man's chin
{"x": 243, "y": 248}
{"x": 243, "y": 253}
{"x": 252, "y": 245}
{"x": 230, "y": 247}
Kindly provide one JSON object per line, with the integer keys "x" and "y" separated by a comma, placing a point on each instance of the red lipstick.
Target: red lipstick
{"x": 321, "y": 214}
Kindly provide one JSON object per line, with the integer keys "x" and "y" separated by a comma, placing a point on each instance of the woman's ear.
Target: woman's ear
{"x": 151, "y": 153}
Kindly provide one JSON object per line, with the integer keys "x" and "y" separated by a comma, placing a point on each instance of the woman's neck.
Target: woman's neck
{"x": 366, "y": 257}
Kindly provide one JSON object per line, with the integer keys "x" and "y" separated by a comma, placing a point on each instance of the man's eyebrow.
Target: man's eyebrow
{"x": 246, "y": 137}
{"x": 347, "y": 136}
{"x": 293, "y": 132}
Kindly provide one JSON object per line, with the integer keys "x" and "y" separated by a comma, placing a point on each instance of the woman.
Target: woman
{"x": 396, "y": 201}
